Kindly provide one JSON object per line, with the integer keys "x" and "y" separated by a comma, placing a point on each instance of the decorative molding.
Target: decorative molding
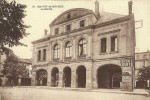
{"x": 40, "y": 40}
{"x": 109, "y": 32}
{"x": 42, "y": 47}
{"x": 73, "y": 31}
{"x": 89, "y": 34}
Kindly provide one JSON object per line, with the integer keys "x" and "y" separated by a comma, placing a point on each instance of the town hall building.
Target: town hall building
{"x": 86, "y": 49}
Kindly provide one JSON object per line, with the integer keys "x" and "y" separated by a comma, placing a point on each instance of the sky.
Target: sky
{"x": 39, "y": 19}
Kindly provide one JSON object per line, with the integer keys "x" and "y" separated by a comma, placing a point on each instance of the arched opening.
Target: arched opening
{"x": 109, "y": 76}
{"x": 41, "y": 77}
{"x": 54, "y": 77}
{"x": 81, "y": 77}
{"x": 56, "y": 51}
{"x": 82, "y": 47}
{"x": 68, "y": 49}
{"x": 141, "y": 84}
{"x": 67, "y": 77}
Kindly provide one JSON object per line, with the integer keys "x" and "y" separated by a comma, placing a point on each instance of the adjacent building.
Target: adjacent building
{"x": 26, "y": 76}
{"x": 86, "y": 49}
{"x": 142, "y": 59}
{"x": 24, "y": 63}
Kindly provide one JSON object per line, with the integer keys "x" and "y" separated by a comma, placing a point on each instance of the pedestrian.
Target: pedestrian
{"x": 41, "y": 82}
{"x": 19, "y": 81}
{"x": 0, "y": 82}
{"x": 57, "y": 79}
{"x": 65, "y": 82}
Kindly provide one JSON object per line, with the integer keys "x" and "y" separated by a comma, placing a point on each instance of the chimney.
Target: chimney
{"x": 130, "y": 7}
{"x": 97, "y": 9}
{"x": 45, "y": 32}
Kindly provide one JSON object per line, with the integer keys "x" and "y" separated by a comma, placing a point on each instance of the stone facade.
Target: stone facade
{"x": 106, "y": 40}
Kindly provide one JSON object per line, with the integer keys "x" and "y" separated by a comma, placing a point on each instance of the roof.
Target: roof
{"x": 79, "y": 12}
{"x": 74, "y": 13}
{"x": 148, "y": 52}
{"x": 28, "y": 61}
{"x": 106, "y": 16}
{"x": 45, "y": 38}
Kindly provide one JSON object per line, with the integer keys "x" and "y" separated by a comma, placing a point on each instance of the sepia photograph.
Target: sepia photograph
{"x": 74, "y": 50}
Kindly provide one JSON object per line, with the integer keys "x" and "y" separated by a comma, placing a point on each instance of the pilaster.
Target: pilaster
{"x": 60, "y": 78}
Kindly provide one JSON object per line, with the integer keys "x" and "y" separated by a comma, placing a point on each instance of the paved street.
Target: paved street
{"x": 44, "y": 93}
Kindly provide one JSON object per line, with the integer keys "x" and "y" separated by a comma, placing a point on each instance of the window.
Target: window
{"x": 114, "y": 44}
{"x": 82, "y": 47}
{"x": 137, "y": 57}
{"x": 56, "y": 30}
{"x": 68, "y": 16}
{"x": 68, "y": 49}
{"x": 68, "y": 27}
{"x": 44, "y": 54}
{"x": 39, "y": 55}
{"x": 82, "y": 23}
{"x": 143, "y": 63}
{"x": 144, "y": 56}
{"x": 103, "y": 45}
{"x": 56, "y": 51}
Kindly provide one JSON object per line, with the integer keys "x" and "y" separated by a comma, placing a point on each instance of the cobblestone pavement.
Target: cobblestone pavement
{"x": 45, "y": 93}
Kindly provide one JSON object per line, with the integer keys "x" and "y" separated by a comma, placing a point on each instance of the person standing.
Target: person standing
{"x": 0, "y": 82}
{"x": 19, "y": 81}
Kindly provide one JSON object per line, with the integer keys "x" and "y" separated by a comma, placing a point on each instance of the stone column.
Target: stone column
{"x": 49, "y": 77}
{"x": 61, "y": 50}
{"x": 127, "y": 77}
{"x": 60, "y": 78}
{"x": 33, "y": 81}
{"x": 108, "y": 45}
{"x": 74, "y": 48}
{"x": 50, "y": 52}
{"x": 89, "y": 77}
{"x": 89, "y": 48}
{"x": 73, "y": 79}
{"x": 94, "y": 80}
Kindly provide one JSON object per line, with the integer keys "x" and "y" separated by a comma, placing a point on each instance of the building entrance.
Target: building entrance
{"x": 54, "y": 77}
{"x": 67, "y": 77}
{"x": 81, "y": 77}
{"x": 109, "y": 76}
{"x": 41, "y": 77}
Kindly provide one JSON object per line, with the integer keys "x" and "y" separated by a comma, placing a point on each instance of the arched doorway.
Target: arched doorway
{"x": 54, "y": 77}
{"x": 67, "y": 77}
{"x": 141, "y": 84}
{"x": 41, "y": 77}
{"x": 81, "y": 77}
{"x": 109, "y": 76}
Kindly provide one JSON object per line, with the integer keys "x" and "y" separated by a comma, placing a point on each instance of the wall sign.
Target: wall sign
{"x": 125, "y": 62}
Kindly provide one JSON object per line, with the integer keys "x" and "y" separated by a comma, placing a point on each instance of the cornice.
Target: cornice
{"x": 40, "y": 40}
{"x": 117, "y": 20}
{"x": 72, "y": 31}
{"x": 108, "y": 32}
{"x": 114, "y": 58}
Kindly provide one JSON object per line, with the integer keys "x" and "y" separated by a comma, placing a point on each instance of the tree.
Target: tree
{"x": 12, "y": 27}
{"x": 13, "y": 69}
{"x": 144, "y": 74}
